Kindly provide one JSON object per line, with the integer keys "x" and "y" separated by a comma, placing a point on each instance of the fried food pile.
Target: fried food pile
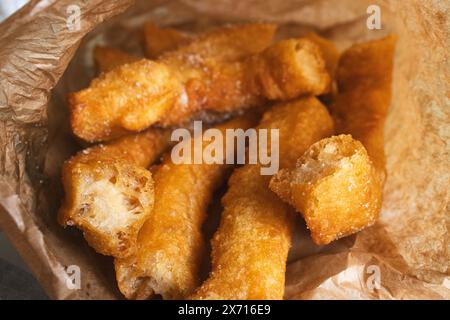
{"x": 133, "y": 201}
{"x": 250, "y": 247}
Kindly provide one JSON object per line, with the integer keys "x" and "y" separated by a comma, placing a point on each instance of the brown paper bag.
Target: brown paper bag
{"x": 405, "y": 256}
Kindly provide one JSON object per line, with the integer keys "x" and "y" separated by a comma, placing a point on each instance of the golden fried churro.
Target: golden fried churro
{"x": 250, "y": 248}
{"x": 168, "y": 92}
{"x": 334, "y": 186}
{"x": 364, "y": 77}
{"x": 108, "y": 191}
{"x": 170, "y": 245}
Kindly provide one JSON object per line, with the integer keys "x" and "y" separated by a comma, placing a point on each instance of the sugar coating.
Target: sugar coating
{"x": 334, "y": 186}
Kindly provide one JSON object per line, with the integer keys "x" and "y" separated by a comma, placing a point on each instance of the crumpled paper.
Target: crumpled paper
{"x": 404, "y": 256}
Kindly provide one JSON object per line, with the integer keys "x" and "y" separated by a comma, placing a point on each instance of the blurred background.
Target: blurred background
{"x": 16, "y": 281}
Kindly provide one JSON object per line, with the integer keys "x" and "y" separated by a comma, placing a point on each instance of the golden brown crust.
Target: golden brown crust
{"x": 131, "y": 285}
{"x": 250, "y": 248}
{"x": 226, "y": 43}
{"x": 335, "y": 187}
{"x": 329, "y": 51}
{"x": 158, "y": 40}
{"x": 301, "y": 123}
{"x": 331, "y": 56}
{"x": 141, "y": 149}
{"x": 194, "y": 78}
{"x": 108, "y": 191}
{"x": 364, "y": 77}
{"x": 108, "y": 200}
{"x": 107, "y": 58}
{"x": 123, "y": 100}
{"x": 289, "y": 69}
{"x": 136, "y": 95}
{"x": 170, "y": 245}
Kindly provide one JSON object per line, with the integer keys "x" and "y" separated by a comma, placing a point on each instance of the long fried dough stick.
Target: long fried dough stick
{"x": 216, "y": 44}
{"x": 228, "y": 43}
{"x": 170, "y": 246}
{"x": 108, "y": 191}
{"x": 169, "y": 92}
{"x": 364, "y": 77}
{"x": 250, "y": 248}
{"x": 136, "y": 95}
{"x": 119, "y": 160}
{"x": 336, "y": 186}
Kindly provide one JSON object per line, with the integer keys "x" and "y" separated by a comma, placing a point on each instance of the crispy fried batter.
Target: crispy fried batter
{"x": 222, "y": 44}
{"x": 109, "y": 201}
{"x": 147, "y": 92}
{"x": 301, "y": 123}
{"x": 283, "y": 71}
{"x": 288, "y": 69}
{"x": 329, "y": 50}
{"x": 170, "y": 244}
{"x": 159, "y": 40}
{"x": 364, "y": 77}
{"x": 334, "y": 186}
{"x": 197, "y": 77}
{"x": 107, "y": 58}
{"x": 330, "y": 55}
{"x": 118, "y": 101}
{"x": 141, "y": 149}
{"x": 108, "y": 191}
{"x": 250, "y": 248}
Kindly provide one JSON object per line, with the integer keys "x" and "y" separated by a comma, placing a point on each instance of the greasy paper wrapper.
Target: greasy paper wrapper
{"x": 42, "y": 60}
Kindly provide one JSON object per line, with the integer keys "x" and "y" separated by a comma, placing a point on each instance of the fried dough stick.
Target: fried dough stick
{"x": 107, "y": 58}
{"x": 134, "y": 96}
{"x": 329, "y": 50}
{"x": 99, "y": 181}
{"x": 158, "y": 40}
{"x": 170, "y": 91}
{"x": 364, "y": 77}
{"x": 250, "y": 248}
{"x": 108, "y": 191}
{"x": 335, "y": 187}
{"x": 331, "y": 57}
{"x": 170, "y": 246}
